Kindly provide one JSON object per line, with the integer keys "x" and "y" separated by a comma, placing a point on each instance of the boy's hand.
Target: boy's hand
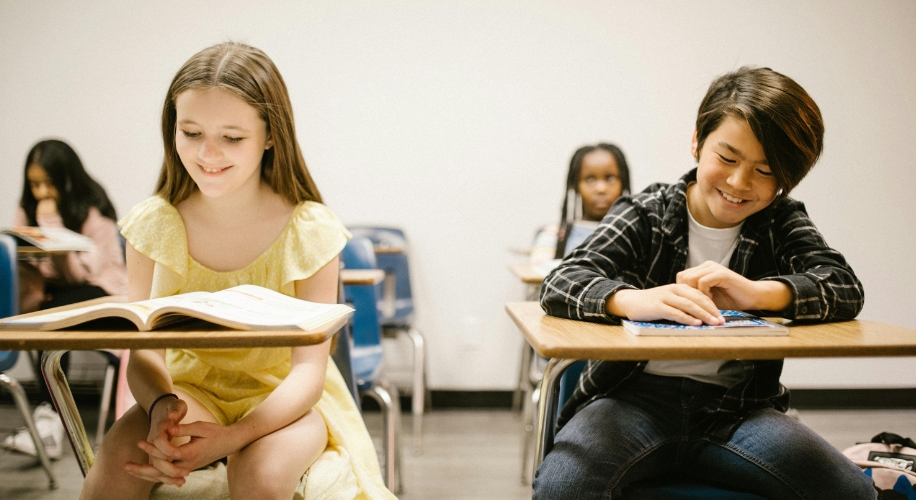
{"x": 730, "y": 290}
{"x": 681, "y": 303}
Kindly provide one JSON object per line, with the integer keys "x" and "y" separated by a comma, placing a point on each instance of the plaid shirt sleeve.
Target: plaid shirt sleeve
{"x": 824, "y": 286}
{"x": 580, "y": 287}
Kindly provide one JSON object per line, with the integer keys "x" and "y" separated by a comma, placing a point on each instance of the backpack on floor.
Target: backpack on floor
{"x": 890, "y": 460}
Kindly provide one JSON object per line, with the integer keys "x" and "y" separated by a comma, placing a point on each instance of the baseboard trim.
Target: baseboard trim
{"x": 853, "y": 399}
{"x": 838, "y": 399}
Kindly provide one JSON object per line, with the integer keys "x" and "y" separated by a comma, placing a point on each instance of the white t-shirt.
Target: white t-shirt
{"x": 703, "y": 244}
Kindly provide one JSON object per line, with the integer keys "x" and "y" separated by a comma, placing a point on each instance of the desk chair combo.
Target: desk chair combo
{"x": 650, "y": 489}
{"x": 397, "y": 309}
{"x": 9, "y": 306}
{"x": 366, "y": 353}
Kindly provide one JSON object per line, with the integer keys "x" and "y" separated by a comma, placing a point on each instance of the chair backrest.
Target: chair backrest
{"x": 9, "y": 279}
{"x": 358, "y": 254}
{"x": 342, "y": 357}
{"x": 9, "y": 292}
{"x": 395, "y": 264}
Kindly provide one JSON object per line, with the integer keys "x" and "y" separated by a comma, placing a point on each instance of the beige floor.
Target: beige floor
{"x": 467, "y": 454}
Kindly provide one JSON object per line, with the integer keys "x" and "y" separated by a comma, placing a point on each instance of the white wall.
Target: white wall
{"x": 456, "y": 120}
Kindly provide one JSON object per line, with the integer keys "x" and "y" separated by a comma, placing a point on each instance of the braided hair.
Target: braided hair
{"x": 572, "y": 201}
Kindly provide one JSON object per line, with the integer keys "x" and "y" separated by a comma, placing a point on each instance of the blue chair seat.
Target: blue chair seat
{"x": 8, "y": 359}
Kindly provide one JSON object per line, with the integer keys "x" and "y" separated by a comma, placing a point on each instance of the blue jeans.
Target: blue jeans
{"x": 654, "y": 426}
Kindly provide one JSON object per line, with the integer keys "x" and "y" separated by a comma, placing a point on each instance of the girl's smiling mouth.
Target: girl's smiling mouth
{"x": 213, "y": 170}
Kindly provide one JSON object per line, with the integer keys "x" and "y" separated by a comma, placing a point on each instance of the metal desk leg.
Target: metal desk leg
{"x": 523, "y": 388}
{"x": 547, "y": 409}
{"x": 66, "y": 408}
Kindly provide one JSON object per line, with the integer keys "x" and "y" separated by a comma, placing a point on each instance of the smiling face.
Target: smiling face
{"x": 734, "y": 180}
{"x": 599, "y": 184}
{"x": 220, "y": 139}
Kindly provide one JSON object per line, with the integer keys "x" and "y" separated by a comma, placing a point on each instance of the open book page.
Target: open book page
{"x": 52, "y": 239}
{"x": 245, "y": 307}
{"x": 250, "y": 307}
{"x": 138, "y": 313}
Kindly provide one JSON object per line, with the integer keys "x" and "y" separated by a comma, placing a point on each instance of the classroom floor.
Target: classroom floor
{"x": 467, "y": 454}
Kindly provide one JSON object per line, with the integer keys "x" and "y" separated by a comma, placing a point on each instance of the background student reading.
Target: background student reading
{"x": 725, "y": 236}
{"x": 597, "y": 176}
{"x": 234, "y": 204}
{"x": 58, "y": 192}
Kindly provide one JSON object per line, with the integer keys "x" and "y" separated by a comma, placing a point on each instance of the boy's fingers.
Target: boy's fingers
{"x": 698, "y": 306}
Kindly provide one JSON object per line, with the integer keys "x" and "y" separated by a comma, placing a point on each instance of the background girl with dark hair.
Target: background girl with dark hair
{"x": 598, "y": 175}
{"x": 57, "y": 192}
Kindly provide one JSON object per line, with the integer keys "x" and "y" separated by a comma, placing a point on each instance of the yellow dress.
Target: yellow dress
{"x": 232, "y": 382}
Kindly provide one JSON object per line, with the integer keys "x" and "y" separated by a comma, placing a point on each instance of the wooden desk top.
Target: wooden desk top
{"x": 387, "y": 249}
{"x": 562, "y": 338}
{"x": 526, "y": 272}
{"x": 27, "y": 251}
{"x": 519, "y": 250}
{"x": 191, "y": 336}
{"x": 362, "y": 276}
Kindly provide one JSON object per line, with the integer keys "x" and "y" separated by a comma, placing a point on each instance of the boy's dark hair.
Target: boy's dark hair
{"x": 783, "y": 117}
{"x": 571, "y": 200}
{"x": 77, "y": 190}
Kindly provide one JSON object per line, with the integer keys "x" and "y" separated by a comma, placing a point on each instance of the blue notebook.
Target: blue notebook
{"x": 736, "y": 323}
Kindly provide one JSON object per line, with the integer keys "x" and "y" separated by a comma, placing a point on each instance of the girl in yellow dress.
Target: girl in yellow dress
{"x": 235, "y": 204}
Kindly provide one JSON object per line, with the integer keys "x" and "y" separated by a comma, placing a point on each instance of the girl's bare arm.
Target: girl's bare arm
{"x": 292, "y": 399}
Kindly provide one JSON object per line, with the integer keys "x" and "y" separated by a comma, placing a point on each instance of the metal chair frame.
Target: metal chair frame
{"x": 9, "y": 306}
{"x": 394, "y": 319}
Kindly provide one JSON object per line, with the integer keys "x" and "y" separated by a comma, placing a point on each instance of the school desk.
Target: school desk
{"x": 532, "y": 279}
{"x": 56, "y": 343}
{"x": 387, "y": 305}
{"x": 566, "y": 341}
{"x": 361, "y": 276}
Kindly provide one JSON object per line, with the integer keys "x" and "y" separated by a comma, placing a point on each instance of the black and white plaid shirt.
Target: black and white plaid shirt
{"x": 642, "y": 242}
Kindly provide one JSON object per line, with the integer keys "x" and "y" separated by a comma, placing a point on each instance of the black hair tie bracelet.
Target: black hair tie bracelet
{"x": 160, "y": 398}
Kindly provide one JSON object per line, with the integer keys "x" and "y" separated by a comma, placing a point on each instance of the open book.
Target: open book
{"x": 51, "y": 239}
{"x": 243, "y": 307}
{"x": 736, "y": 323}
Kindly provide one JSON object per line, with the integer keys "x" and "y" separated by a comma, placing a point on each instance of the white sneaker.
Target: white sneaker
{"x": 50, "y": 429}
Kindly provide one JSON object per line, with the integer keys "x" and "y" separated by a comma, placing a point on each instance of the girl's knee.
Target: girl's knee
{"x": 262, "y": 482}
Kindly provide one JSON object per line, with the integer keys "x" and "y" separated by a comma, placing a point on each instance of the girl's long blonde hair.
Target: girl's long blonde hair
{"x": 248, "y": 73}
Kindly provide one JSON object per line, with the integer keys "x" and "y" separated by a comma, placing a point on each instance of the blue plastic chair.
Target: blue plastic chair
{"x": 397, "y": 310}
{"x": 654, "y": 488}
{"x": 366, "y": 352}
{"x": 9, "y": 306}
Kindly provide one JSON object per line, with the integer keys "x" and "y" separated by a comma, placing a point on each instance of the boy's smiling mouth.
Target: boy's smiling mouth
{"x": 731, "y": 198}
